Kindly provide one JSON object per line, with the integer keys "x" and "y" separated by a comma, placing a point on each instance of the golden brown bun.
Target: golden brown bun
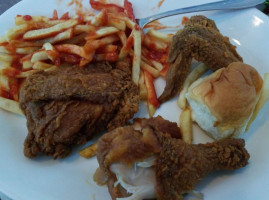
{"x": 229, "y": 95}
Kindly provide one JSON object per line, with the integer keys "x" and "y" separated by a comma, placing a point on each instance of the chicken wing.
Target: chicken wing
{"x": 200, "y": 39}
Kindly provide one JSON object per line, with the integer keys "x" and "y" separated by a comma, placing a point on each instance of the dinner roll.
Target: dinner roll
{"x": 223, "y": 102}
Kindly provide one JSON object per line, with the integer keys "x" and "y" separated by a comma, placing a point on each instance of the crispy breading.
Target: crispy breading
{"x": 200, "y": 39}
{"x": 68, "y": 105}
{"x": 178, "y": 166}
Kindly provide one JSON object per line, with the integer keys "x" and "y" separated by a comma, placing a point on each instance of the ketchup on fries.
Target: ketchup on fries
{"x": 42, "y": 43}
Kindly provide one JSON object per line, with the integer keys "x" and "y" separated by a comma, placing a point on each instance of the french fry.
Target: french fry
{"x": 156, "y": 25}
{"x": 14, "y": 87}
{"x": 9, "y": 72}
{"x": 48, "y": 46}
{"x": 127, "y": 46}
{"x": 165, "y": 69}
{"x": 47, "y": 32}
{"x": 42, "y": 65}
{"x": 151, "y": 70}
{"x": 4, "y": 64}
{"x": 193, "y": 76}
{"x": 107, "y": 49}
{"x": 39, "y": 55}
{"x": 159, "y": 66}
{"x": 55, "y": 15}
{"x": 157, "y": 55}
{"x": 122, "y": 37}
{"x": 89, "y": 151}
{"x": 26, "y": 50}
{"x": 117, "y": 23}
{"x": 153, "y": 102}
{"x": 92, "y": 45}
{"x": 100, "y": 5}
{"x": 99, "y": 19}
{"x": 65, "y": 16}
{"x": 88, "y": 18}
{"x": 78, "y": 39}
{"x": 106, "y": 31}
{"x": 137, "y": 56}
{"x": 160, "y": 36}
{"x": 3, "y": 50}
{"x": 129, "y": 23}
{"x": 53, "y": 55}
{"x": 52, "y": 68}
{"x": 20, "y": 20}
{"x": 143, "y": 58}
{"x": 262, "y": 100}
{"x": 27, "y": 65}
{"x": 142, "y": 87}
{"x": 21, "y": 44}
{"x": 74, "y": 49}
{"x": 85, "y": 28}
{"x": 4, "y": 83}
{"x": 70, "y": 58}
{"x": 151, "y": 109}
{"x": 19, "y": 50}
{"x": 65, "y": 35}
{"x": 45, "y": 21}
{"x": 112, "y": 57}
{"x": 154, "y": 44}
{"x": 10, "y": 105}
{"x": 3, "y": 39}
{"x": 27, "y": 57}
{"x": 129, "y": 10}
{"x": 7, "y": 58}
{"x": 102, "y": 32}
{"x": 186, "y": 125}
{"x": 16, "y": 31}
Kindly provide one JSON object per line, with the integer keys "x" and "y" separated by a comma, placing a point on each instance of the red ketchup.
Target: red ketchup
{"x": 27, "y": 18}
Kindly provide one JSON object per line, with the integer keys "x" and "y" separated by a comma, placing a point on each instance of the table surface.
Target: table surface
{"x": 5, "y": 4}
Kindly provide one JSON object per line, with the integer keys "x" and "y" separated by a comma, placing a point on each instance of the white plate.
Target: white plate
{"x": 71, "y": 178}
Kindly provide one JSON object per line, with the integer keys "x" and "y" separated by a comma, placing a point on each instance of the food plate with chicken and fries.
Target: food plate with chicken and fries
{"x": 40, "y": 36}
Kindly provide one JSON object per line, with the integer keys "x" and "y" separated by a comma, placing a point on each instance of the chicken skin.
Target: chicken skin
{"x": 167, "y": 165}
{"x": 200, "y": 39}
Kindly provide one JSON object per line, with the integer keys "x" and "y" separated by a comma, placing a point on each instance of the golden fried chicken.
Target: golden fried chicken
{"x": 200, "y": 39}
{"x": 145, "y": 161}
{"x": 69, "y": 105}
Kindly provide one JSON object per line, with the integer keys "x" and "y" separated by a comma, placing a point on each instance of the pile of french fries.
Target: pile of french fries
{"x": 43, "y": 43}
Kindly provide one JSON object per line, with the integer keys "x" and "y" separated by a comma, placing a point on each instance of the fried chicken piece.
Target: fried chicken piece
{"x": 67, "y": 106}
{"x": 200, "y": 39}
{"x": 180, "y": 166}
{"x": 149, "y": 162}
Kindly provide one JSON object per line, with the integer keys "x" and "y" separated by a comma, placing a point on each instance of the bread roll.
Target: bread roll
{"x": 223, "y": 102}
